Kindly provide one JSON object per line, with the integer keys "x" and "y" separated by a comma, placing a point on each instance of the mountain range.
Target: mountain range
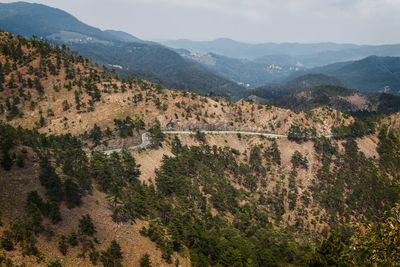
{"x": 309, "y": 55}
{"x": 123, "y": 51}
{"x": 223, "y": 66}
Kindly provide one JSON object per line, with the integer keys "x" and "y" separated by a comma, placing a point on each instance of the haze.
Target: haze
{"x": 305, "y": 21}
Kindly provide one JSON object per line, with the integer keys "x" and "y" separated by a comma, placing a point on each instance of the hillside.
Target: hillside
{"x": 198, "y": 200}
{"x": 269, "y": 92}
{"x": 249, "y": 73}
{"x": 113, "y": 49}
{"x": 70, "y": 93}
{"x": 339, "y": 98}
{"x": 371, "y": 74}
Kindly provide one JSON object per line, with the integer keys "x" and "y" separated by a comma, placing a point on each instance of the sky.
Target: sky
{"x": 252, "y": 21}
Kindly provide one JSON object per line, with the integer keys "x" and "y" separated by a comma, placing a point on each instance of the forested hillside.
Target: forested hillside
{"x": 128, "y": 55}
{"x": 187, "y": 200}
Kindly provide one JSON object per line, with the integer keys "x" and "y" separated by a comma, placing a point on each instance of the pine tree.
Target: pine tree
{"x": 145, "y": 260}
{"x": 6, "y": 161}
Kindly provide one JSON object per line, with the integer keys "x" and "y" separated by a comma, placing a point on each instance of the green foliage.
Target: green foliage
{"x": 94, "y": 257}
{"x": 126, "y": 126}
{"x": 63, "y": 245}
{"x": 55, "y": 263}
{"x": 200, "y": 136}
{"x": 372, "y": 245}
{"x": 299, "y": 161}
{"x": 86, "y": 225}
{"x": 389, "y": 144}
{"x": 359, "y": 128}
{"x": 6, "y": 161}
{"x": 379, "y": 244}
{"x": 300, "y": 134}
{"x": 73, "y": 239}
{"x": 6, "y": 241}
{"x": 331, "y": 252}
{"x": 50, "y": 210}
{"x": 4, "y": 261}
{"x": 145, "y": 260}
{"x": 176, "y": 146}
{"x": 115, "y": 250}
{"x": 96, "y": 135}
{"x": 65, "y": 105}
{"x": 171, "y": 227}
{"x": 157, "y": 136}
{"x": 108, "y": 260}
{"x": 347, "y": 184}
{"x": 273, "y": 153}
{"x": 20, "y": 160}
{"x": 114, "y": 172}
{"x": 50, "y": 180}
{"x": 72, "y": 193}
{"x": 231, "y": 258}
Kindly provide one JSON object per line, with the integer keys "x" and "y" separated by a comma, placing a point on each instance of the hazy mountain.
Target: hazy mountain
{"x": 125, "y": 52}
{"x": 283, "y": 60}
{"x": 231, "y": 48}
{"x": 27, "y": 19}
{"x": 123, "y": 36}
{"x": 374, "y": 74}
{"x": 308, "y": 55}
{"x": 356, "y": 53}
{"x": 247, "y": 72}
{"x": 268, "y": 93}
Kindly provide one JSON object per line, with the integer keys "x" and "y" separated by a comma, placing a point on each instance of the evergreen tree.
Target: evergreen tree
{"x": 72, "y": 193}
{"x": 6, "y": 161}
{"x": 145, "y": 260}
{"x": 231, "y": 258}
{"x": 86, "y": 225}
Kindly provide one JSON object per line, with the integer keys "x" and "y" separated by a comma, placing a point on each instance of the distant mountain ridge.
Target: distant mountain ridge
{"x": 309, "y": 55}
{"x": 134, "y": 56}
{"x": 244, "y": 71}
{"x": 315, "y": 90}
{"x": 27, "y": 19}
{"x": 372, "y": 74}
{"x": 339, "y": 98}
{"x": 231, "y": 48}
{"x": 269, "y": 92}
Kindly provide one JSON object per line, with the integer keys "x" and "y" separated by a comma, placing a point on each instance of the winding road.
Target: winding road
{"x": 146, "y": 140}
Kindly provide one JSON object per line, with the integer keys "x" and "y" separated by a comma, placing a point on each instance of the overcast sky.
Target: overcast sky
{"x": 344, "y": 21}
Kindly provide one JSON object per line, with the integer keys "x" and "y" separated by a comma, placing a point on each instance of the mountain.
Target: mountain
{"x": 123, "y": 36}
{"x": 244, "y": 71}
{"x": 372, "y": 74}
{"x": 160, "y": 65}
{"x": 124, "y": 52}
{"x": 267, "y": 93}
{"x": 349, "y": 54}
{"x": 184, "y": 198}
{"x": 339, "y": 98}
{"x": 308, "y": 55}
{"x": 36, "y": 19}
{"x": 231, "y": 48}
